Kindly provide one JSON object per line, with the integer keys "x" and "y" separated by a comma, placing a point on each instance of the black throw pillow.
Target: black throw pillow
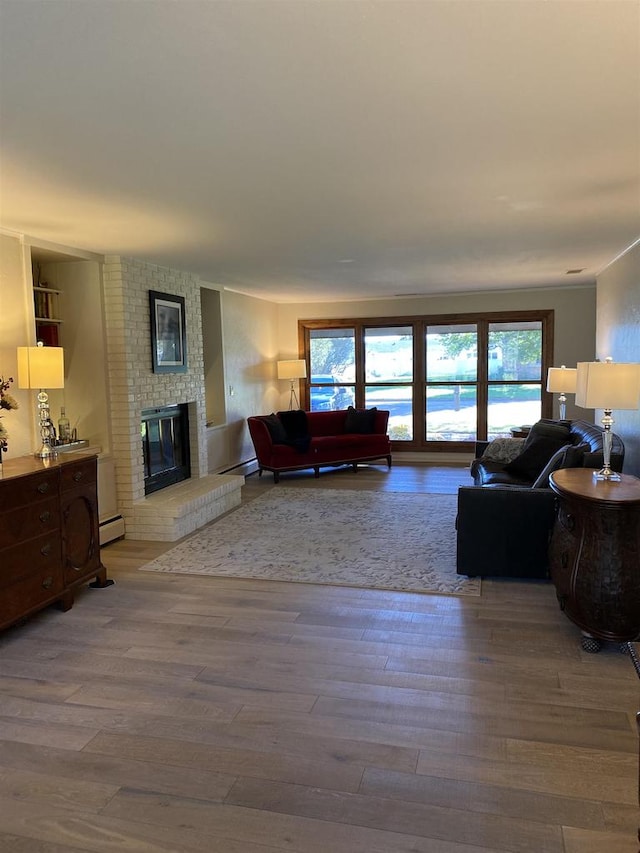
{"x": 535, "y": 456}
{"x": 276, "y": 430}
{"x": 569, "y": 456}
{"x": 560, "y": 430}
{"x": 295, "y": 423}
{"x": 296, "y": 429}
{"x": 360, "y": 420}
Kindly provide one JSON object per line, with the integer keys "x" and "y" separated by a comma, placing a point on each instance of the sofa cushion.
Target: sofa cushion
{"x": 361, "y": 421}
{"x": 542, "y": 442}
{"x": 490, "y": 473}
{"x": 569, "y": 456}
{"x": 503, "y": 449}
{"x": 276, "y": 429}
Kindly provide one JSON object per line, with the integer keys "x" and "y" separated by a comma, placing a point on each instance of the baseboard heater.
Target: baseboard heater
{"x": 111, "y": 528}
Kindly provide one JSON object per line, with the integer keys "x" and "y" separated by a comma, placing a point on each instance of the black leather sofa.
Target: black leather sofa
{"x": 505, "y": 519}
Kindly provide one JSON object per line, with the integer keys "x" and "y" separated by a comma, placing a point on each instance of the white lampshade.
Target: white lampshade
{"x": 40, "y": 367}
{"x": 294, "y": 368}
{"x": 562, "y": 380}
{"x": 607, "y": 385}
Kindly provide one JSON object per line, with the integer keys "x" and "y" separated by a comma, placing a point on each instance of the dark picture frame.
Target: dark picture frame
{"x": 168, "y": 333}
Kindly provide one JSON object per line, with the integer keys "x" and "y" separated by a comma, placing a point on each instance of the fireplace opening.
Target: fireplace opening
{"x": 165, "y": 446}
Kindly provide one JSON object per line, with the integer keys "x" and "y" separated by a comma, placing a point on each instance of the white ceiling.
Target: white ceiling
{"x": 327, "y": 149}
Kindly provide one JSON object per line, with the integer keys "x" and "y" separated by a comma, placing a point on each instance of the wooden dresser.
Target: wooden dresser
{"x": 595, "y": 555}
{"x": 49, "y": 532}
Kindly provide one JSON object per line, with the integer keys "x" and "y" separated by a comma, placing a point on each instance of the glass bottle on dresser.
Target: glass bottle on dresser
{"x": 64, "y": 427}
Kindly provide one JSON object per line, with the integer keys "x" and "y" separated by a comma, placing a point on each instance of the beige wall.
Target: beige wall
{"x": 574, "y": 308}
{"x": 251, "y": 349}
{"x": 618, "y": 336}
{"x": 16, "y": 330}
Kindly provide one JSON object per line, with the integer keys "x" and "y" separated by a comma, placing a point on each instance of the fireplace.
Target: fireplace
{"x": 165, "y": 446}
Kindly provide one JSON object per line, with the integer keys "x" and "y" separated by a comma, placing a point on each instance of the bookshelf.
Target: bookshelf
{"x": 47, "y": 314}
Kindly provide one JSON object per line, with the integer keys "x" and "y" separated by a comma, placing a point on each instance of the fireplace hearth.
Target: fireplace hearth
{"x": 165, "y": 446}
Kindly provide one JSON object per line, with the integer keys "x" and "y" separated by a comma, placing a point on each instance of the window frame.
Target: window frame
{"x": 419, "y": 325}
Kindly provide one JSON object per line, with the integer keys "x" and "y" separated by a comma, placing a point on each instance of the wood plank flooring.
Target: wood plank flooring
{"x": 178, "y": 713}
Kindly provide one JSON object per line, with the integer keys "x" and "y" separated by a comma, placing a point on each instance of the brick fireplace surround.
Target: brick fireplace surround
{"x": 171, "y": 513}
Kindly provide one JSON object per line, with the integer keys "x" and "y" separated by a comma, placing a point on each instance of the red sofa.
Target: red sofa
{"x": 329, "y": 443}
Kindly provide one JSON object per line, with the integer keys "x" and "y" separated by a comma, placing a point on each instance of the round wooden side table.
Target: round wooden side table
{"x": 595, "y": 555}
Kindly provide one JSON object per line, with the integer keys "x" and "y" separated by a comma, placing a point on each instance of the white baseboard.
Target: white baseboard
{"x": 112, "y": 528}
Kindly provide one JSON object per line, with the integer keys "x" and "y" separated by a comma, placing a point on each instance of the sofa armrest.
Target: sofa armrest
{"x": 504, "y": 531}
{"x": 261, "y": 439}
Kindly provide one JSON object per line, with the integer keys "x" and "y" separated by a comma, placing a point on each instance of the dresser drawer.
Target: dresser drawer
{"x": 23, "y": 491}
{"x": 40, "y": 556}
{"x": 29, "y": 593}
{"x": 24, "y": 523}
{"x": 77, "y": 474}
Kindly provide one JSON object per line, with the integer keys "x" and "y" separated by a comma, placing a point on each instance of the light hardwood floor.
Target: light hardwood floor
{"x": 181, "y": 713}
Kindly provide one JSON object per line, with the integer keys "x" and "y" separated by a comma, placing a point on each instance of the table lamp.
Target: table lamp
{"x": 39, "y": 368}
{"x": 561, "y": 380}
{"x": 607, "y": 385}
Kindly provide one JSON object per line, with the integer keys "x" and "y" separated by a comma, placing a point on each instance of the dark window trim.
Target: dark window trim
{"x": 419, "y": 324}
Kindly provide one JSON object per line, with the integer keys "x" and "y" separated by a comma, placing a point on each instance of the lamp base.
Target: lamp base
{"x": 293, "y": 398}
{"x": 46, "y": 452}
{"x": 608, "y": 475}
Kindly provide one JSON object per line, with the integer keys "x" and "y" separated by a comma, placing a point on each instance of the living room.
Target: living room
{"x": 524, "y": 256}
{"x": 305, "y": 178}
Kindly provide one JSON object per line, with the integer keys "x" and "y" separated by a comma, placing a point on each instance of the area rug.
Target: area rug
{"x": 377, "y": 540}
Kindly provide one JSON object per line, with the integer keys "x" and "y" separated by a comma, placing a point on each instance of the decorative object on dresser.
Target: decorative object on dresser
{"x": 7, "y": 402}
{"x": 562, "y": 380}
{"x": 49, "y": 533}
{"x": 595, "y": 555}
{"x": 292, "y": 369}
{"x": 607, "y": 385}
{"x": 41, "y": 368}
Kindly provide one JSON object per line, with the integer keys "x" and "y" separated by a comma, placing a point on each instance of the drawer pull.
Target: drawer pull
{"x": 77, "y": 476}
{"x": 45, "y": 516}
{"x": 43, "y": 488}
{"x": 47, "y": 583}
{"x": 46, "y": 549}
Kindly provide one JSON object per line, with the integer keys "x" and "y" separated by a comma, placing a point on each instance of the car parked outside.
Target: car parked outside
{"x": 327, "y": 395}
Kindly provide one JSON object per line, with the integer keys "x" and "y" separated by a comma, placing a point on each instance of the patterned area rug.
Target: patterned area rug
{"x": 377, "y": 540}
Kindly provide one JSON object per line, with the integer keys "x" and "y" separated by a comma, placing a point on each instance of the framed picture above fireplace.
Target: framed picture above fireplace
{"x": 168, "y": 333}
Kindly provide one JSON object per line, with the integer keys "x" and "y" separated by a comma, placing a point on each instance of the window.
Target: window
{"x": 514, "y": 375}
{"x": 451, "y": 389}
{"x": 388, "y": 372}
{"x": 332, "y": 359}
{"x": 445, "y": 380}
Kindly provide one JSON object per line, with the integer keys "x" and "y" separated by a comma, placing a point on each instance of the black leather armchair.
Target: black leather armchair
{"x": 504, "y": 524}
{"x": 504, "y": 531}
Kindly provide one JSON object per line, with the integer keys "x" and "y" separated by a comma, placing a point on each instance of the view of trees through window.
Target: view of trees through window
{"x": 442, "y": 382}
